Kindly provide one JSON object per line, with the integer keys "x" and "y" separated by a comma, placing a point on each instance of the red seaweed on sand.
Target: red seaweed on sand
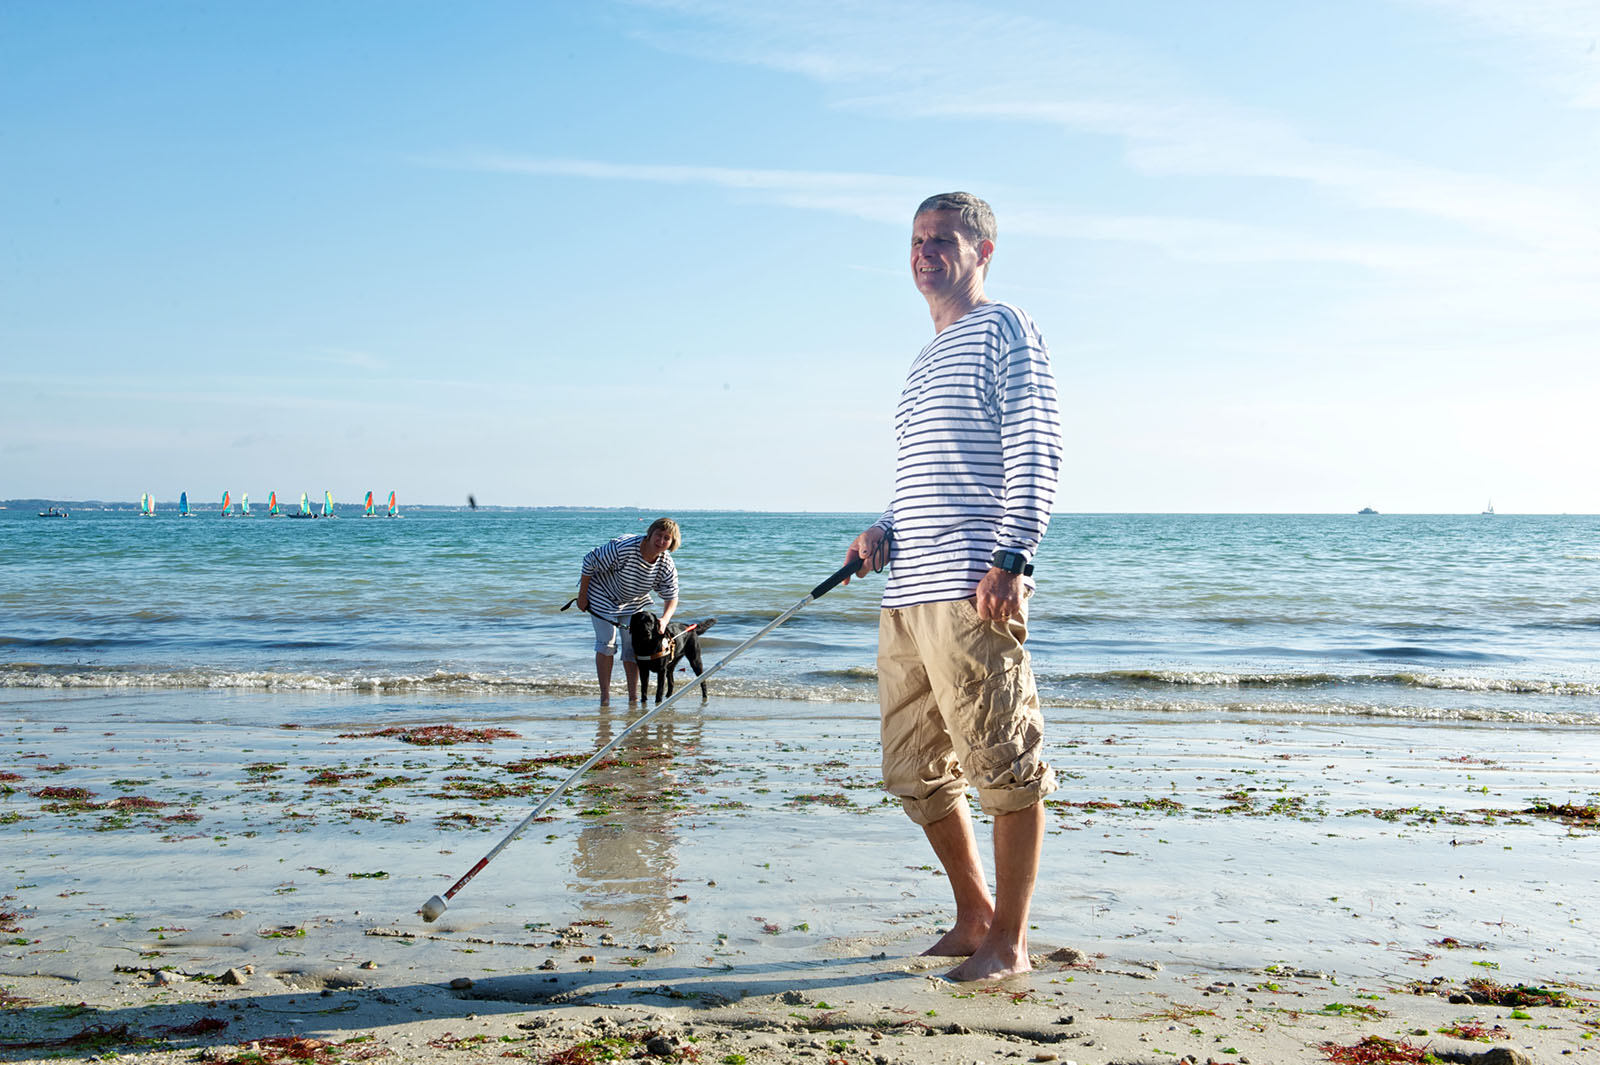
{"x": 1375, "y": 1050}
{"x": 435, "y": 735}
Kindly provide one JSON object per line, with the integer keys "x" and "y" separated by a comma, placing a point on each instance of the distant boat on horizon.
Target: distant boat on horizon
{"x": 227, "y": 502}
{"x": 305, "y": 510}
{"x": 183, "y": 505}
{"x": 53, "y": 512}
{"x": 1490, "y": 508}
{"x": 327, "y": 505}
{"x": 1366, "y": 510}
{"x": 244, "y": 505}
{"x": 368, "y": 511}
{"x": 394, "y": 507}
{"x": 147, "y": 506}
{"x": 272, "y": 506}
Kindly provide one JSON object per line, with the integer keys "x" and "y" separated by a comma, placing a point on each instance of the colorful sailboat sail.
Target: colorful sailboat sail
{"x": 183, "y": 504}
{"x": 272, "y": 505}
{"x": 226, "y": 503}
{"x": 394, "y": 508}
{"x": 368, "y": 512}
{"x": 305, "y": 503}
{"x": 327, "y": 504}
{"x": 147, "y": 506}
{"x": 244, "y": 504}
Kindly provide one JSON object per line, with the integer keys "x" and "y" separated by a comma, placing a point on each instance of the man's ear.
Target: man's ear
{"x": 985, "y": 251}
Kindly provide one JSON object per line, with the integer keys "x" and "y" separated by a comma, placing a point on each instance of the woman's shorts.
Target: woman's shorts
{"x": 606, "y": 636}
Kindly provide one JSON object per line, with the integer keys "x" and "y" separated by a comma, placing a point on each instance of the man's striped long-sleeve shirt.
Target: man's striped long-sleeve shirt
{"x": 978, "y": 429}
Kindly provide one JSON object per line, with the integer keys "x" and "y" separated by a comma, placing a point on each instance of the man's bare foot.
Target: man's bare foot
{"x": 991, "y": 963}
{"x": 959, "y": 942}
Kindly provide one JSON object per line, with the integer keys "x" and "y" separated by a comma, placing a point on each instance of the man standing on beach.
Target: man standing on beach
{"x": 978, "y": 430}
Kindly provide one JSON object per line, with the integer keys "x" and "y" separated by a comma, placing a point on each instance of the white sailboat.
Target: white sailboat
{"x": 1490, "y": 508}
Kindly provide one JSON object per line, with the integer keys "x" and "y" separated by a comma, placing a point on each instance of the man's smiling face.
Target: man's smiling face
{"x": 946, "y": 260}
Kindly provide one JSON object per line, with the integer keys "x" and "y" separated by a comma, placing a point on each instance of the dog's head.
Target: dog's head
{"x": 645, "y": 630}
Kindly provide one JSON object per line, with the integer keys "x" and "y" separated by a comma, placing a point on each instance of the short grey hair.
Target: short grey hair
{"x": 976, "y": 215}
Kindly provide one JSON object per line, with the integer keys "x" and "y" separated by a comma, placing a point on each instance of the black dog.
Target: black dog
{"x": 660, "y": 653}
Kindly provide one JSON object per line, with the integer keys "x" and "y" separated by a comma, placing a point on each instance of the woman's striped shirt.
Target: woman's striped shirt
{"x": 620, "y": 580}
{"x": 979, "y": 434}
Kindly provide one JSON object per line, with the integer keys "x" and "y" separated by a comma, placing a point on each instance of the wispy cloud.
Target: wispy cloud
{"x": 876, "y": 197}
{"x": 1561, "y": 39}
{"x": 1477, "y": 248}
{"x": 359, "y": 360}
{"x": 895, "y": 59}
{"x": 883, "y": 198}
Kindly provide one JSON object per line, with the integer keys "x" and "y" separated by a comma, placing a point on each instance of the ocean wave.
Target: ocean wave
{"x": 847, "y": 687}
{"x": 441, "y": 682}
{"x": 1228, "y": 679}
{"x": 1511, "y": 685}
{"x": 1289, "y": 712}
{"x": 56, "y": 642}
{"x": 849, "y": 673}
{"x": 1207, "y": 678}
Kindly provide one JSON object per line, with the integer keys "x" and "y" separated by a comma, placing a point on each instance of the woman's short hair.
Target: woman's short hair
{"x": 672, "y": 530}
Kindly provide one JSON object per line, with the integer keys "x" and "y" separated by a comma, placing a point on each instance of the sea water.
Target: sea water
{"x": 1282, "y": 739}
{"x": 1453, "y": 618}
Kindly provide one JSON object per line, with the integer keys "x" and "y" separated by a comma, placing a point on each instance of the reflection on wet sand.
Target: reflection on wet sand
{"x": 624, "y": 858}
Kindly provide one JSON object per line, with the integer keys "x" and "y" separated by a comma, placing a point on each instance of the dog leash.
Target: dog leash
{"x": 591, "y": 613}
{"x": 669, "y": 643}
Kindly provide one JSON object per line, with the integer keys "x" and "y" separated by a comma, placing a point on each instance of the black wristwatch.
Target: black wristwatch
{"x": 1012, "y": 562}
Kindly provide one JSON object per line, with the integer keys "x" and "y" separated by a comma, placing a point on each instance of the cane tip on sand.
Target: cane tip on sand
{"x": 432, "y": 909}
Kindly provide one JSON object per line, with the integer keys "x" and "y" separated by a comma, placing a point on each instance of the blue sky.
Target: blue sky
{"x": 1288, "y": 257}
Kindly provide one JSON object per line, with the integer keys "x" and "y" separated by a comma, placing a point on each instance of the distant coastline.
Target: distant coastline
{"x": 118, "y": 506}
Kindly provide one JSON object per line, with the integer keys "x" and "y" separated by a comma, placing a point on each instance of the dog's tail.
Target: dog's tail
{"x": 702, "y": 626}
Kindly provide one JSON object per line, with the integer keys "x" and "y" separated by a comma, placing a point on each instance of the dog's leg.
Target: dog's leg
{"x": 694, "y": 661}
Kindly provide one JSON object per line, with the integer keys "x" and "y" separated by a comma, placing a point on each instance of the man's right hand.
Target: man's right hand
{"x": 583, "y": 602}
{"x": 862, "y": 550}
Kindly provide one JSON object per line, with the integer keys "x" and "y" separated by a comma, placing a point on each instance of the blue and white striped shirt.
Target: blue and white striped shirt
{"x": 620, "y": 580}
{"x": 979, "y": 435}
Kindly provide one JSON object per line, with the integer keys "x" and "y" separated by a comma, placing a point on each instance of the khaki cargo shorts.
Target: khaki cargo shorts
{"x": 958, "y": 703}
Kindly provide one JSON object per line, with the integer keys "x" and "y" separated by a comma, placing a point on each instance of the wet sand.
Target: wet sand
{"x": 735, "y": 887}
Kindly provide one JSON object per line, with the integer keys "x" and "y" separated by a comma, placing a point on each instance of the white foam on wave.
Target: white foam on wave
{"x": 1232, "y": 679}
{"x": 1288, "y": 711}
{"x": 1334, "y": 696}
{"x": 440, "y": 682}
{"x": 1513, "y": 685}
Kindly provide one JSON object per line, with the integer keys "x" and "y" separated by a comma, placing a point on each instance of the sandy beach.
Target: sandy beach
{"x": 734, "y": 888}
